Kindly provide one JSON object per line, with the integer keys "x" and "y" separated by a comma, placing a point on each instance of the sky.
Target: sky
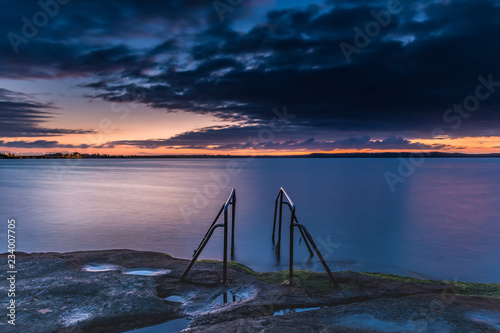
{"x": 249, "y": 76}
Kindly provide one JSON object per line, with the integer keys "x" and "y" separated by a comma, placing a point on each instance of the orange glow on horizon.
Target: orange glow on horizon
{"x": 471, "y": 145}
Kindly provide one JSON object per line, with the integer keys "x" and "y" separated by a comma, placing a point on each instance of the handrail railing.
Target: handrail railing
{"x": 231, "y": 200}
{"x": 290, "y": 205}
{"x": 294, "y": 222}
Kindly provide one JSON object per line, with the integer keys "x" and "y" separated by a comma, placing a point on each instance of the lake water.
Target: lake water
{"x": 443, "y": 222}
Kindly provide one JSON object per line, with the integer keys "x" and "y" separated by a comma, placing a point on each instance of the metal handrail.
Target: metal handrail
{"x": 231, "y": 200}
{"x": 294, "y": 222}
{"x": 290, "y": 205}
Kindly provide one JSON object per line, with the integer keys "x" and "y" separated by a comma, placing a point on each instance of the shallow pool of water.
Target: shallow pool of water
{"x": 491, "y": 319}
{"x": 171, "y": 326}
{"x": 147, "y": 271}
{"x": 295, "y": 310}
{"x": 230, "y": 296}
{"x": 175, "y": 298}
{"x": 101, "y": 268}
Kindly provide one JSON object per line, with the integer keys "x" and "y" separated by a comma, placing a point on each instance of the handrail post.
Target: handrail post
{"x": 230, "y": 201}
{"x": 278, "y": 244}
{"x": 232, "y": 228}
{"x": 290, "y": 272}
{"x": 224, "y": 264}
{"x": 213, "y": 223}
{"x": 330, "y": 275}
{"x": 275, "y": 212}
{"x": 201, "y": 247}
{"x": 305, "y": 240}
{"x": 303, "y": 231}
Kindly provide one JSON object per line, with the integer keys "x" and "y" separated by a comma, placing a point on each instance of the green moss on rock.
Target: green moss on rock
{"x": 451, "y": 287}
{"x": 319, "y": 282}
{"x": 395, "y": 277}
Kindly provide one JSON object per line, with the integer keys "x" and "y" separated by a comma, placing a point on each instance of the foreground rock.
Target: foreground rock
{"x": 55, "y": 293}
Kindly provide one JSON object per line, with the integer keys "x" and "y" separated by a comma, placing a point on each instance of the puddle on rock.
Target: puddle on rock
{"x": 146, "y": 271}
{"x": 191, "y": 303}
{"x": 491, "y": 319}
{"x": 295, "y": 310}
{"x": 171, "y": 326}
{"x": 175, "y": 298}
{"x": 197, "y": 303}
{"x": 229, "y": 296}
{"x": 101, "y": 268}
{"x": 76, "y": 316}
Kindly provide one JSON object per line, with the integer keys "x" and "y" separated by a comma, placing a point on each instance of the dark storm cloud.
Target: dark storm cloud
{"x": 255, "y": 137}
{"x": 426, "y": 59}
{"x": 83, "y": 38}
{"x": 403, "y": 81}
{"x": 23, "y": 117}
{"x": 40, "y": 144}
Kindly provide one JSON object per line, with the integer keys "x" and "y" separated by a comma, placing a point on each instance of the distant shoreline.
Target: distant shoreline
{"x": 312, "y": 155}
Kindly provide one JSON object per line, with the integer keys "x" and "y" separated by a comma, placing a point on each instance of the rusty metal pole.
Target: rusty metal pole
{"x": 232, "y": 228}
{"x": 290, "y": 274}
{"x": 278, "y": 245}
{"x": 224, "y": 267}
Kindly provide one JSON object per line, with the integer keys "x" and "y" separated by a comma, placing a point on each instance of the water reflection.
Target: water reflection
{"x": 230, "y": 296}
{"x": 442, "y": 222}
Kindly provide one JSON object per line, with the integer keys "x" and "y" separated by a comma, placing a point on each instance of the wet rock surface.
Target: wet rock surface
{"x": 68, "y": 292}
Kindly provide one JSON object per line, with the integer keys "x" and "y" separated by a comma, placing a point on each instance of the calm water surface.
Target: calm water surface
{"x": 443, "y": 222}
